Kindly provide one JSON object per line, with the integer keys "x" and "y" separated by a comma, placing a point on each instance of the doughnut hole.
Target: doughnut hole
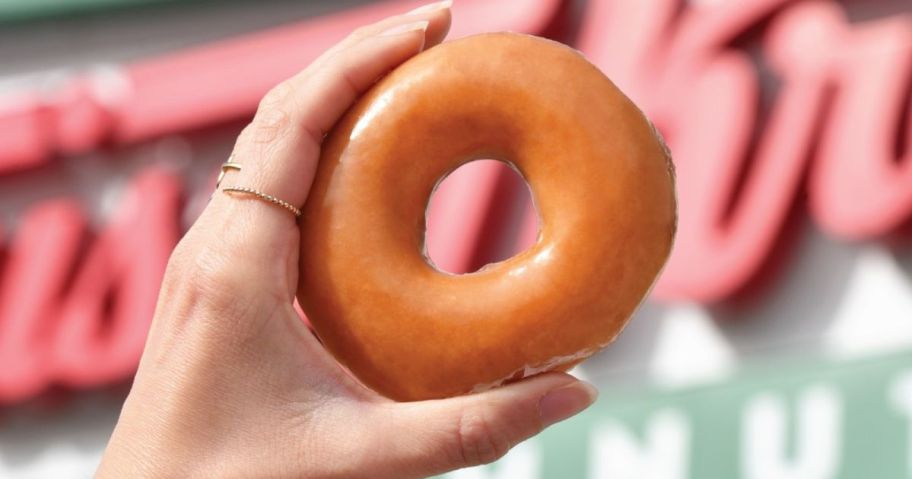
{"x": 480, "y": 213}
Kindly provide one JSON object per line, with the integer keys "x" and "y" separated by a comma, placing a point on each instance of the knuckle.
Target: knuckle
{"x": 214, "y": 266}
{"x": 174, "y": 270}
{"x": 210, "y": 278}
{"x": 181, "y": 263}
{"x": 269, "y": 125}
{"x": 177, "y": 260}
{"x": 199, "y": 283}
{"x": 276, "y": 96}
{"x": 273, "y": 117}
{"x": 480, "y": 442}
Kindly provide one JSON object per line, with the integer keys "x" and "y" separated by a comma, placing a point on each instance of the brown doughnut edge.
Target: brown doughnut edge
{"x": 601, "y": 178}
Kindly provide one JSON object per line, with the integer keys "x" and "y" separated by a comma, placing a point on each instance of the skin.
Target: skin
{"x": 233, "y": 384}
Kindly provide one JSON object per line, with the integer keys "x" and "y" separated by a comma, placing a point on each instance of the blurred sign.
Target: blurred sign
{"x": 76, "y": 314}
{"x": 816, "y": 421}
{"x": 759, "y": 99}
{"x": 762, "y": 101}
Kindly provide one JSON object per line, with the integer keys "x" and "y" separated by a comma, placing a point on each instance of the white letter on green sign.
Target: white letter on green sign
{"x": 817, "y": 442}
{"x": 663, "y": 454}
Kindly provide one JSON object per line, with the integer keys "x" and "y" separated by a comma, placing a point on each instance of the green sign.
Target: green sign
{"x": 848, "y": 420}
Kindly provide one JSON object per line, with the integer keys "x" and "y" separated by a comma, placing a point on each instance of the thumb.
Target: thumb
{"x": 436, "y": 436}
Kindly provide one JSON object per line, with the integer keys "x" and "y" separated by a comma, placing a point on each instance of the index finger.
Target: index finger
{"x": 278, "y": 152}
{"x": 282, "y": 143}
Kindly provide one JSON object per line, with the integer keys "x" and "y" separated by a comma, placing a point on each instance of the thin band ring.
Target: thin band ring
{"x": 266, "y": 197}
{"x": 230, "y": 165}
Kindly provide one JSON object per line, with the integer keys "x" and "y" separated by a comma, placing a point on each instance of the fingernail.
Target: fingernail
{"x": 432, "y": 7}
{"x": 407, "y": 27}
{"x": 566, "y": 401}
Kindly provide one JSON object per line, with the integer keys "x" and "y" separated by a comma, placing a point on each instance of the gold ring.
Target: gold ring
{"x": 263, "y": 196}
{"x": 228, "y": 165}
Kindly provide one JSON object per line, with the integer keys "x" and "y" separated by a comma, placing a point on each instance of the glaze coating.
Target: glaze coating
{"x": 601, "y": 180}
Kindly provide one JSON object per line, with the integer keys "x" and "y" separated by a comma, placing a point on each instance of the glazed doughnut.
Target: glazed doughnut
{"x": 600, "y": 177}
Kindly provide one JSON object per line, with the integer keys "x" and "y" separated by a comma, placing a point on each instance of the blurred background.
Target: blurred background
{"x": 777, "y": 344}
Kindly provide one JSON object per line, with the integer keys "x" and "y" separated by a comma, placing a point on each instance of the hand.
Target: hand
{"x": 232, "y": 383}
